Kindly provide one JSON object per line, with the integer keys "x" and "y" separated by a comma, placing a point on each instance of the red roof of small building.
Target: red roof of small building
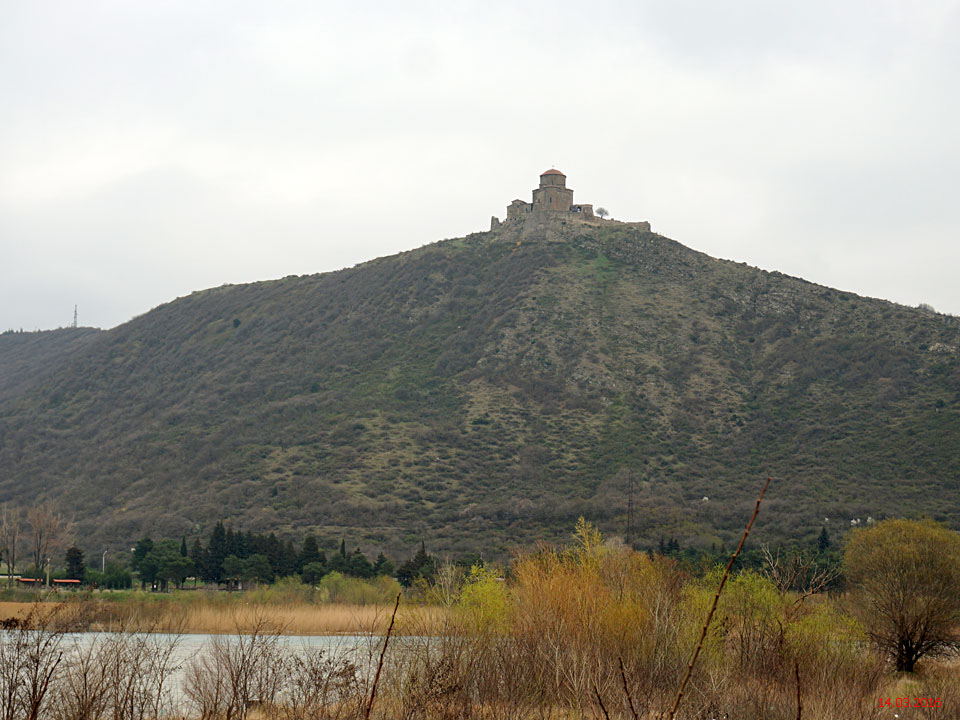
{"x": 552, "y": 172}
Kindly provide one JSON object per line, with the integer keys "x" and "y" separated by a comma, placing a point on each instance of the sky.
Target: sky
{"x": 148, "y": 150}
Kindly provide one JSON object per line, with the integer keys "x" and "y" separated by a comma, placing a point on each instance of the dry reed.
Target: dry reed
{"x": 205, "y": 616}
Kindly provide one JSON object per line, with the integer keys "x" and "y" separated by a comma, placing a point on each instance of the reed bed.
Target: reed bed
{"x": 586, "y": 632}
{"x": 213, "y": 617}
{"x": 575, "y": 636}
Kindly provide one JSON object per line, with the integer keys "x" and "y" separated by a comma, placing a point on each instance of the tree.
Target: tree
{"x": 313, "y": 572}
{"x": 170, "y": 564}
{"x": 142, "y": 549}
{"x": 257, "y": 568}
{"x": 601, "y": 212}
{"x": 48, "y": 533}
{"x": 421, "y": 565}
{"x": 358, "y": 565}
{"x": 76, "y": 568}
{"x": 9, "y": 539}
{"x": 217, "y": 550}
{"x": 309, "y": 553}
{"x": 232, "y": 569}
{"x": 823, "y": 542}
{"x": 197, "y": 558}
{"x": 906, "y": 578}
{"x": 383, "y": 566}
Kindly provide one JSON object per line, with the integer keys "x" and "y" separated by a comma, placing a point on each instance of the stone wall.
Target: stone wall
{"x": 552, "y": 198}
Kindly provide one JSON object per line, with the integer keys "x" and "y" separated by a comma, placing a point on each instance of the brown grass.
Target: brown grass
{"x": 220, "y": 618}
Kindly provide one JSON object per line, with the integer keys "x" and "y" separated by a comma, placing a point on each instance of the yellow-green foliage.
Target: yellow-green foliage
{"x": 906, "y": 580}
{"x": 557, "y": 632}
{"x": 338, "y": 588}
{"x": 483, "y": 600}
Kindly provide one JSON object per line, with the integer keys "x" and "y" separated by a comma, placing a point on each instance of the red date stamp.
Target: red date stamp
{"x": 908, "y": 702}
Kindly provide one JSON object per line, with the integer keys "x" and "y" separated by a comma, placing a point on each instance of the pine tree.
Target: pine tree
{"x": 183, "y": 546}
{"x": 216, "y": 552}
{"x": 144, "y": 547}
{"x": 309, "y": 553}
{"x": 383, "y": 566}
{"x": 359, "y": 566}
{"x": 76, "y": 569}
{"x": 197, "y": 558}
{"x": 823, "y": 542}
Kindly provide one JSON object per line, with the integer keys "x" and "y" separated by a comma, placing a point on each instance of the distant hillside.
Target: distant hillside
{"x": 483, "y": 392}
{"x": 26, "y": 357}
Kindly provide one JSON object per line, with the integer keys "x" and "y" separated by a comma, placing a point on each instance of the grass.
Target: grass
{"x": 213, "y": 616}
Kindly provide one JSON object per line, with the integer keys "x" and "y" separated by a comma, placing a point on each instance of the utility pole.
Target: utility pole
{"x": 103, "y": 562}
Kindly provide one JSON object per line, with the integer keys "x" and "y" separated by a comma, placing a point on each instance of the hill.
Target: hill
{"x": 485, "y": 391}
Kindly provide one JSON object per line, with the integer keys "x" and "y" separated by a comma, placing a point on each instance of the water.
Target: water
{"x": 176, "y": 653}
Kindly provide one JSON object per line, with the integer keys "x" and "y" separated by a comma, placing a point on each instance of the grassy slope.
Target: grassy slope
{"x": 480, "y": 392}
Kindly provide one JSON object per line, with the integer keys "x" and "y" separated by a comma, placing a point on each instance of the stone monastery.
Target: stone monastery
{"x": 552, "y": 205}
{"x": 552, "y": 196}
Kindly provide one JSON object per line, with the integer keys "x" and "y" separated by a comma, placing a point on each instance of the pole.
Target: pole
{"x": 103, "y": 562}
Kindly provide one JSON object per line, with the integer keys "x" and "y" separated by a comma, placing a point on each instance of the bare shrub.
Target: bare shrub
{"x": 237, "y": 672}
{"x": 322, "y": 684}
{"x": 124, "y": 675}
{"x": 30, "y": 659}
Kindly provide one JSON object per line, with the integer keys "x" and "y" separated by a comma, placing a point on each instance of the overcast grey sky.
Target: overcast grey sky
{"x": 151, "y": 149}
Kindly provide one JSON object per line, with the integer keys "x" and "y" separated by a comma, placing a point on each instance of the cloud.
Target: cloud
{"x": 222, "y": 142}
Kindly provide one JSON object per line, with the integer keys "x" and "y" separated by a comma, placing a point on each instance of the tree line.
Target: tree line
{"x": 233, "y": 557}
{"x": 228, "y": 556}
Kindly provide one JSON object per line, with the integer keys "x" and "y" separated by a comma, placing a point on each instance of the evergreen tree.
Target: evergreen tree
{"x": 383, "y": 566}
{"x": 358, "y": 565}
{"x": 313, "y": 572}
{"x": 420, "y": 565}
{"x": 274, "y": 554}
{"x": 196, "y": 553}
{"x": 823, "y": 542}
{"x": 232, "y": 569}
{"x": 216, "y": 552}
{"x": 237, "y": 545}
{"x": 143, "y": 548}
{"x": 258, "y": 569}
{"x": 169, "y": 564}
{"x": 76, "y": 568}
{"x": 309, "y": 553}
{"x": 289, "y": 559}
{"x": 183, "y": 546}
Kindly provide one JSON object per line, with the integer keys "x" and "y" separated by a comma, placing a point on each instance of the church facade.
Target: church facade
{"x": 553, "y": 196}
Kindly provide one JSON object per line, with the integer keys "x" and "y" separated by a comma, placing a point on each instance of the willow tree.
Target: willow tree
{"x": 905, "y": 576}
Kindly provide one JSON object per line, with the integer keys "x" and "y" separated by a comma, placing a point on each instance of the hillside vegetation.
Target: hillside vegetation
{"x": 486, "y": 391}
